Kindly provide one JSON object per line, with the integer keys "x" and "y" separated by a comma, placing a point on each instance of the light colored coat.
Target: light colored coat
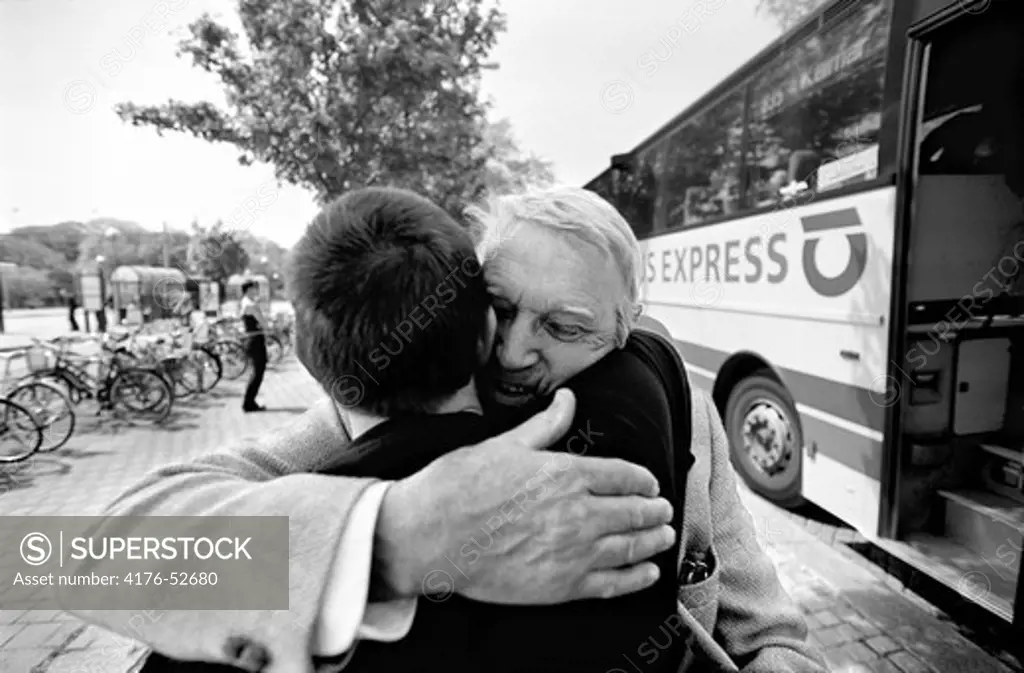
{"x": 740, "y": 617}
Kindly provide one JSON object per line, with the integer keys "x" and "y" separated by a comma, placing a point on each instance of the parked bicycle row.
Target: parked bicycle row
{"x": 131, "y": 373}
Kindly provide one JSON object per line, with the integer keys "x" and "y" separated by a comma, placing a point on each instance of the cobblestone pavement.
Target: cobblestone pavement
{"x": 861, "y": 622}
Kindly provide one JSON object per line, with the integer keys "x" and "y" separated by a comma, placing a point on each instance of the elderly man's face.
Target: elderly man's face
{"x": 555, "y": 300}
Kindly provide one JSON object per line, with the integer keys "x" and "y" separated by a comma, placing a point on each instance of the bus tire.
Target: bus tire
{"x": 765, "y": 438}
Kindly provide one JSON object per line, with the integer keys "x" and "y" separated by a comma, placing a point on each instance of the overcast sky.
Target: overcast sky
{"x": 580, "y": 79}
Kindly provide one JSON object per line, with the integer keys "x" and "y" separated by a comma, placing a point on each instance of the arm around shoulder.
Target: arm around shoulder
{"x": 758, "y": 624}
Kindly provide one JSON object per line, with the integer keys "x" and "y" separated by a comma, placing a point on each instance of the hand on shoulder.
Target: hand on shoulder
{"x": 506, "y": 522}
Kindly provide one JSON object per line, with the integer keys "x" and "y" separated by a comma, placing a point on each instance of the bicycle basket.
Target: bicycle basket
{"x": 39, "y": 359}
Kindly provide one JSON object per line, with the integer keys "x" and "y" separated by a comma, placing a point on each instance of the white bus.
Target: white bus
{"x": 834, "y": 236}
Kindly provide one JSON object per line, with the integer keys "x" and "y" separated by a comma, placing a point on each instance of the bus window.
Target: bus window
{"x": 636, "y": 190}
{"x": 972, "y": 113}
{"x": 817, "y": 110}
{"x": 702, "y": 165}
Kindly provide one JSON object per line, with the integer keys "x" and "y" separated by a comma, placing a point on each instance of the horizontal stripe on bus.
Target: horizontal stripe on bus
{"x": 851, "y": 404}
{"x": 859, "y": 453}
{"x": 854, "y": 446}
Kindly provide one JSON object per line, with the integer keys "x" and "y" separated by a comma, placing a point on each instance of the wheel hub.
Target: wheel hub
{"x": 767, "y": 438}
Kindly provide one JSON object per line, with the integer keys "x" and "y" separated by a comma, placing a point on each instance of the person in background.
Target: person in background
{"x": 255, "y": 343}
{"x": 101, "y": 319}
{"x": 72, "y": 306}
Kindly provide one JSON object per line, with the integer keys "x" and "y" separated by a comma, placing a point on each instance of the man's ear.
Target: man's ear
{"x": 486, "y": 343}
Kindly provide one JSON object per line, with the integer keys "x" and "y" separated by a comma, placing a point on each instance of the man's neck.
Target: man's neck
{"x": 466, "y": 399}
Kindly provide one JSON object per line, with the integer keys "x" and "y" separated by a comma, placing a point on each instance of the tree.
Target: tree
{"x": 508, "y": 168}
{"x": 788, "y": 13}
{"x": 217, "y": 253}
{"x": 336, "y": 94}
{"x": 28, "y": 288}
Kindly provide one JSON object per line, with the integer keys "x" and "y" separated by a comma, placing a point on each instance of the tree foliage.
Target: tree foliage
{"x": 508, "y": 168}
{"x": 217, "y": 252}
{"x": 28, "y": 288}
{"x": 58, "y": 252}
{"x": 788, "y": 13}
{"x": 336, "y": 94}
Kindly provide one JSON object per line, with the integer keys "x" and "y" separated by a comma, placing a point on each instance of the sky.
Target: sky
{"x": 579, "y": 79}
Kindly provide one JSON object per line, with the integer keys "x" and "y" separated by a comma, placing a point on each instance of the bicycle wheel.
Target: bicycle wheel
{"x": 275, "y": 351}
{"x": 50, "y": 407}
{"x": 211, "y": 367}
{"x": 233, "y": 358}
{"x": 143, "y": 393}
{"x": 20, "y": 435}
{"x": 186, "y": 376}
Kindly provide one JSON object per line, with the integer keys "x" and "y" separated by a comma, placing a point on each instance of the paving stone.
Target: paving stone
{"x": 97, "y": 661}
{"x": 8, "y": 632}
{"x": 834, "y": 636}
{"x": 816, "y": 604}
{"x": 863, "y": 626}
{"x": 882, "y": 645}
{"x": 908, "y": 663}
{"x": 858, "y": 653}
{"x": 853, "y": 668}
{"x": 883, "y": 666}
{"x": 827, "y": 618}
{"x": 850, "y": 657}
{"x": 22, "y": 661}
{"x": 66, "y": 631}
{"x": 33, "y": 635}
{"x": 850, "y": 633}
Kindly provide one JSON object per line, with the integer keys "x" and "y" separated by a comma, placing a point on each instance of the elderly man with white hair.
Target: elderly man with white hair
{"x": 562, "y": 267}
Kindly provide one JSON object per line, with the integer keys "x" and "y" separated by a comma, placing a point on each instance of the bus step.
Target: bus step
{"x": 1005, "y": 452}
{"x": 987, "y": 582}
{"x": 988, "y": 524}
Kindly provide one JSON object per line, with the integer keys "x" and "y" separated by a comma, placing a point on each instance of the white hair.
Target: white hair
{"x": 574, "y": 211}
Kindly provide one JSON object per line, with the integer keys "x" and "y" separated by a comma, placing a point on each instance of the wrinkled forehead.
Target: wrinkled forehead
{"x": 544, "y": 271}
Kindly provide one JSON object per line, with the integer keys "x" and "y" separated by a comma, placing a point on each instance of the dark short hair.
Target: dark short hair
{"x": 390, "y": 302}
{"x": 248, "y": 285}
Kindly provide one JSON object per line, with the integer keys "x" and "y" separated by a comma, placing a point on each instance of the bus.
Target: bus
{"x": 834, "y": 237}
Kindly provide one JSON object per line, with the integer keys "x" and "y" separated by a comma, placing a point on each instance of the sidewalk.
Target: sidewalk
{"x": 856, "y": 619}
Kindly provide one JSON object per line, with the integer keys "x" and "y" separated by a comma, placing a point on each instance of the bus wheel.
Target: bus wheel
{"x": 765, "y": 438}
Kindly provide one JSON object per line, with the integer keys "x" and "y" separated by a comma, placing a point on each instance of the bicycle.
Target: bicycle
{"x": 114, "y": 387}
{"x": 46, "y": 402}
{"x": 228, "y": 349}
{"x": 17, "y": 424}
{"x": 160, "y": 353}
{"x": 230, "y": 330}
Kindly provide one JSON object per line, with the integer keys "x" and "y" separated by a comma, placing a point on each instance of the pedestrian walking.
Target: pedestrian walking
{"x": 255, "y": 343}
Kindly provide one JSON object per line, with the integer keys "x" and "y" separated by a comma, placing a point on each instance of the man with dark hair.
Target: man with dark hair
{"x": 255, "y": 343}
{"x": 391, "y": 309}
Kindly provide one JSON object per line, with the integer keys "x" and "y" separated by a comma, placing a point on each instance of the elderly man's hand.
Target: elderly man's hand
{"x": 504, "y": 522}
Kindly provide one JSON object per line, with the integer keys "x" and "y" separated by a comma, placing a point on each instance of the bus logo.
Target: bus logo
{"x": 855, "y": 265}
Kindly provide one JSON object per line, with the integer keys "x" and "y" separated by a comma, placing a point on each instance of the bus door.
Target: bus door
{"x": 959, "y": 503}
